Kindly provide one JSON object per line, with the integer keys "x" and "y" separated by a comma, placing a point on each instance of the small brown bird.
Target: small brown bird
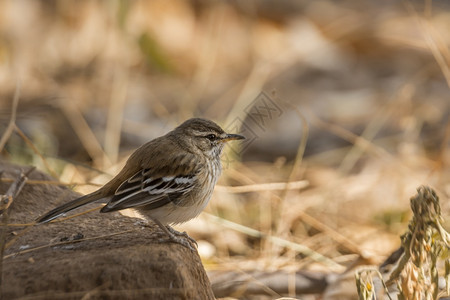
{"x": 169, "y": 180}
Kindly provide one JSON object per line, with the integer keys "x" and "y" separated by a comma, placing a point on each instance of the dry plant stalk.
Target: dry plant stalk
{"x": 365, "y": 284}
{"x": 424, "y": 244}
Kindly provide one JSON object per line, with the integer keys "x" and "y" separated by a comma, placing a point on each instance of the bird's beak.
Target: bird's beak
{"x": 231, "y": 137}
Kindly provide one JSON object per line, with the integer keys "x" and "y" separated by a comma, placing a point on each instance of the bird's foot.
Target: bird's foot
{"x": 179, "y": 240}
{"x": 143, "y": 223}
{"x": 182, "y": 235}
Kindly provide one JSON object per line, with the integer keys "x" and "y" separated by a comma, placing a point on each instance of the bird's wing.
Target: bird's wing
{"x": 145, "y": 189}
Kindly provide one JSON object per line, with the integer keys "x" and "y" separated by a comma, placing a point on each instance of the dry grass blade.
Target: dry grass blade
{"x": 84, "y": 132}
{"x": 252, "y": 86}
{"x": 349, "y": 136}
{"x": 18, "y": 234}
{"x": 249, "y": 283}
{"x": 18, "y": 224}
{"x": 52, "y": 182}
{"x": 53, "y": 221}
{"x": 278, "y": 241}
{"x": 301, "y": 147}
{"x": 436, "y": 45}
{"x": 372, "y": 129}
{"x": 115, "y": 116}
{"x": 35, "y": 150}
{"x": 66, "y": 242}
{"x": 333, "y": 234}
{"x": 361, "y": 142}
{"x": 30, "y": 225}
{"x": 273, "y": 186}
{"x": 295, "y": 167}
{"x": 77, "y": 215}
{"x": 12, "y": 121}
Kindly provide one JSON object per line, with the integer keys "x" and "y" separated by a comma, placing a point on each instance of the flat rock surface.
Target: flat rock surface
{"x": 92, "y": 256}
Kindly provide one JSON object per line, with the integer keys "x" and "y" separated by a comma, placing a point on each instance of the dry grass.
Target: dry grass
{"x": 362, "y": 93}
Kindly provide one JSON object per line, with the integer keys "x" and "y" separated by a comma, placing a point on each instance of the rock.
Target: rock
{"x": 107, "y": 256}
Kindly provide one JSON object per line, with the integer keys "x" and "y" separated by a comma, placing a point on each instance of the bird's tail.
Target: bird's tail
{"x": 58, "y": 211}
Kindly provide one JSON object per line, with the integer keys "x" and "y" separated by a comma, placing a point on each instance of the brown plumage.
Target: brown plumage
{"x": 168, "y": 180}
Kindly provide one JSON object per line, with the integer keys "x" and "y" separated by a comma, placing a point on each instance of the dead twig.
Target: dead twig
{"x": 14, "y": 190}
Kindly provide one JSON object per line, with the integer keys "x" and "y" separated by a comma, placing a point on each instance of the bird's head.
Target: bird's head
{"x": 206, "y": 136}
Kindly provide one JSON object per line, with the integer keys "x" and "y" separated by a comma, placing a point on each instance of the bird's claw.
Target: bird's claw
{"x": 182, "y": 234}
{"x": 179, "y": 240}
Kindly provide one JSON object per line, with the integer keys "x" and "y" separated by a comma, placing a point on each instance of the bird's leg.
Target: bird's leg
{"x": 177, "y": 237}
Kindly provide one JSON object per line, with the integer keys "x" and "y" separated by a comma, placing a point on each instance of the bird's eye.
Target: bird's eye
{"x": 211, "y": 137}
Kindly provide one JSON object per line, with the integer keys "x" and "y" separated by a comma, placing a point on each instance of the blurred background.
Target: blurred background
{"x": 348, "y": 100}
